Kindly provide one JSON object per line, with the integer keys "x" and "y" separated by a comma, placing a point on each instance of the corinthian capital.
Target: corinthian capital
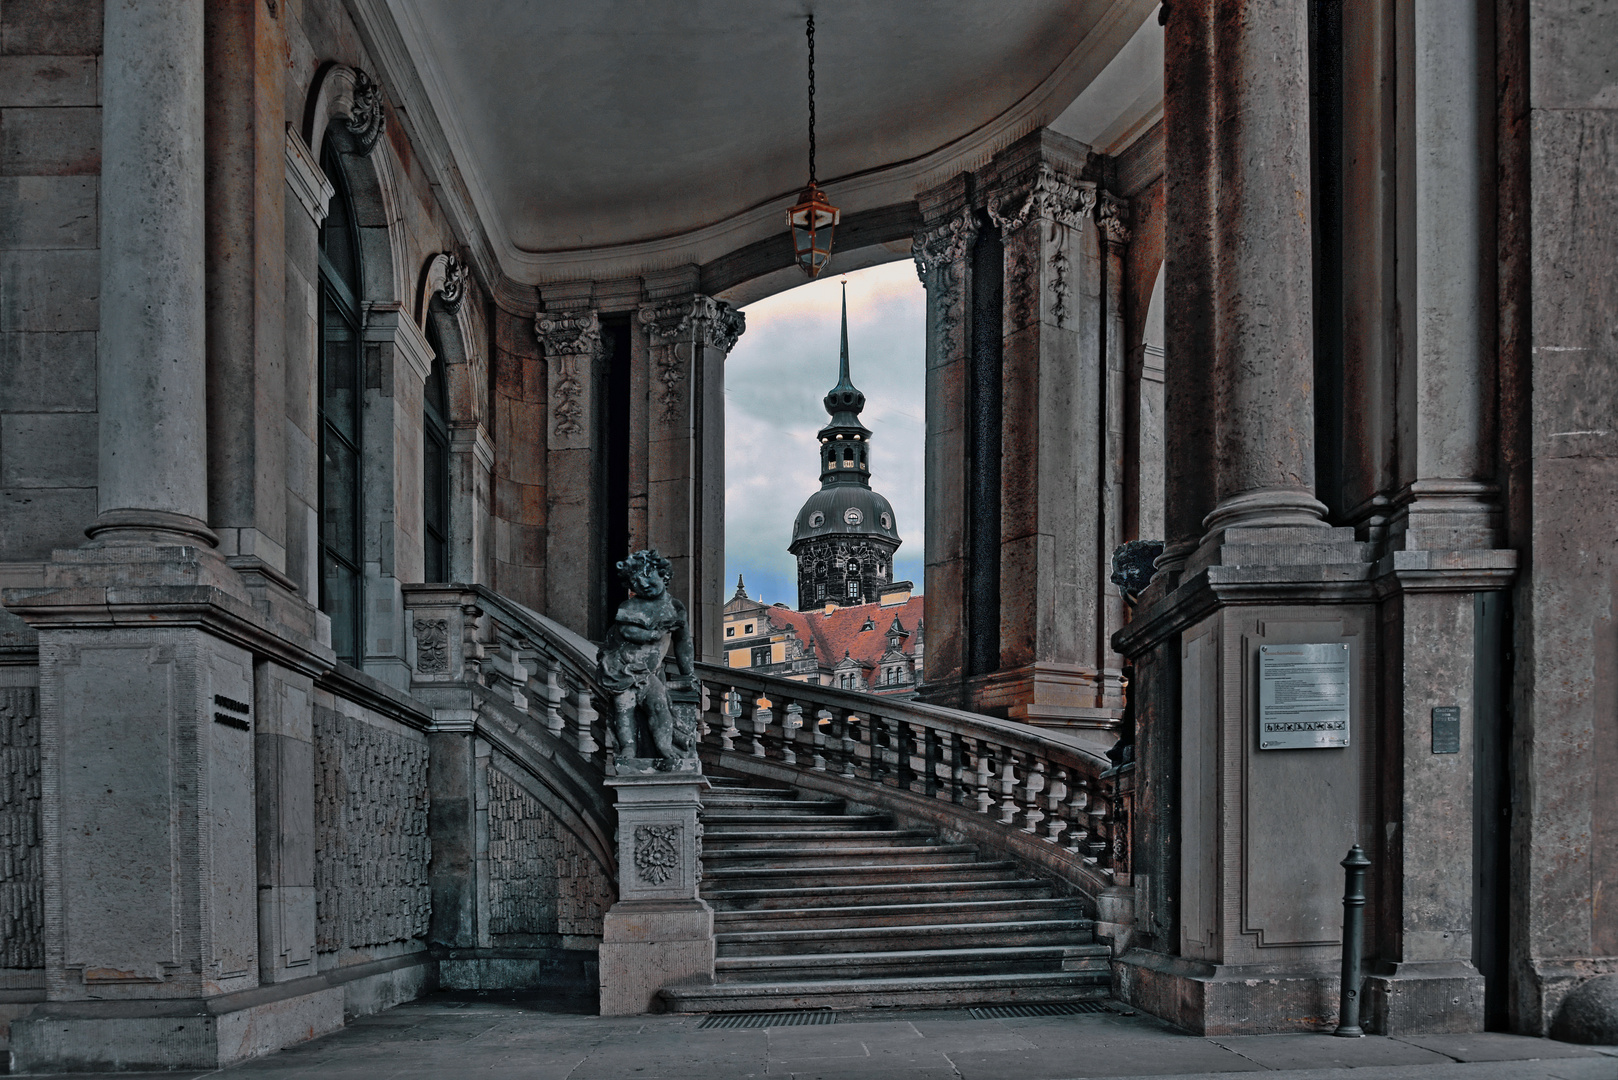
{"x": 697, "y": 318}
{"x": 943, "y": 243}
{"x": 568, "y": 333}
{"x": 1112, "y": 216}
{"x": 1052, "y": 196}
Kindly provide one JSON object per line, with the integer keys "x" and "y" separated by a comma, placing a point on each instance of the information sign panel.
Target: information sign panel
{"x": 1302, "y": 696}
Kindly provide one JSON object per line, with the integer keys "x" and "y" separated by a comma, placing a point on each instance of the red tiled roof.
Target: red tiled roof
{"x": 841, "y": 631}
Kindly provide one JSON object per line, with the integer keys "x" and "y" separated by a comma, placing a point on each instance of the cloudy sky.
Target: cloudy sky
{"x": 774, "y": 380}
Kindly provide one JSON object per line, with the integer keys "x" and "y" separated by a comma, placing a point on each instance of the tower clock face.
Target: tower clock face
{"x": 853, "y": 516}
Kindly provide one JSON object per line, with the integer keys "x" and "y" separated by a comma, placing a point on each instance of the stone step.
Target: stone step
{"x": 747, "y": 797}
{"x": 937, "y": 991}
{"x": 978, "y": 912}
{"x": 731, "y": 899}
{"x": 793, "y": 821}
{"x": 915, "y": 963}
{"x": 813, "y": 839}
{"x": 835, "y": 875}
{"x": 900, "y": 938}
{"x": 789, "y": 859}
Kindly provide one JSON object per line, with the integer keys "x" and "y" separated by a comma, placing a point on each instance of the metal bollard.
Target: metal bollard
{"x": 1348, "y": 1009}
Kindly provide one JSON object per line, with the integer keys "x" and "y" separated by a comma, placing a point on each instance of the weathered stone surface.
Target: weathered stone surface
{"x": 647, "y": 945}
{"x": 47, "y": 212}
{"x": 67, "y": 27}
{"x": 49, "y": 450}
{"x": 50, "y": 290}
{"x": 570, "y": 899}
{"x": 33, "y": 521}
{"x": 1590, "y": 1013}
{"x": 48, "y": 81}
{"x": 22, "y": 854}
{"x": 48, "y": 372}
{"x": 50, "y": 142}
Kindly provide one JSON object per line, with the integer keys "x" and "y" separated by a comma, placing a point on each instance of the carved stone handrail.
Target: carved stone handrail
{"x": 1032, "y": 792}
{"x": 469, "y": 634}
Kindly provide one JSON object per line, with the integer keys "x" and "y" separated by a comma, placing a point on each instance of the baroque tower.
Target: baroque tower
{"x": 845, "y": 535}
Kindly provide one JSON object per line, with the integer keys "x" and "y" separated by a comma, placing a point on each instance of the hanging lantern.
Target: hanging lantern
{"x": 812, "y": 220}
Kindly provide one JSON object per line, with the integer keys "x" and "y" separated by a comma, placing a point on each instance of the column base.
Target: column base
{"x": 1425, "y": 998}
{"x": 1228, "y": 999}
{"x": 649, "y": 944}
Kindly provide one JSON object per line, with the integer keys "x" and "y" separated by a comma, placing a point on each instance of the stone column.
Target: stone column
{"x": 1112, "y": 214}
{"x": 151, "y": 379}
{"x": 941, "y": 251}
{"x": 571, "y": 340}
{"x": 689, "y": 336}
{"x": 660, "y": 932}
{"x": 1261, "y": 304}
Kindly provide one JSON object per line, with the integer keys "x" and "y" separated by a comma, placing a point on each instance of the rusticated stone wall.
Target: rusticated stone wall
{"x": 21, "y": 856}
{"x": 541, "y": 879}
{"x": 371, "y": 843}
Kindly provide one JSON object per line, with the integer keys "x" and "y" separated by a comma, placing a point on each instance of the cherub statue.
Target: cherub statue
{"x": 631, "y": 663}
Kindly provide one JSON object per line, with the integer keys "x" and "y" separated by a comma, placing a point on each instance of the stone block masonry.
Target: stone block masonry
{"x": 22, "y": 868}
{"x": 371, "y": 843}
{"x": 523, "y": 835}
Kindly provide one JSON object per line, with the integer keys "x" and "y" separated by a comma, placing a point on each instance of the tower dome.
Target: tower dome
{"x": 845, "y": 535}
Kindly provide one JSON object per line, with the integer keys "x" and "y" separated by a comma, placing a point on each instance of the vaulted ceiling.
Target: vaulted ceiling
{"x": 617, "y": 136}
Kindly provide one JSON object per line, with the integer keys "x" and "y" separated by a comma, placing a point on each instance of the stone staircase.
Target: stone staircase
{"x": 816, "y": 906}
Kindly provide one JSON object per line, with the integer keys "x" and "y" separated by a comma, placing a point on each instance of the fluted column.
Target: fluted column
{"x": 151, "y": 379}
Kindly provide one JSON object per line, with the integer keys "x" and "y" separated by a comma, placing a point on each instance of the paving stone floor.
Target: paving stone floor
{"x": 503, "y": 1037}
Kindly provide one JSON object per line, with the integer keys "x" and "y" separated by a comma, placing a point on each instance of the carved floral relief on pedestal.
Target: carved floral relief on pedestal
{"x": 432, "y": 646}
{"x": 657, "y": 852}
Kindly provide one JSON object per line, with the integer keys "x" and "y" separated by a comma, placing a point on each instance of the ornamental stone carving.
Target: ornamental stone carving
{"x": 647, "y": 719}
{"x": 447, "y": 278}
{"x": 657, "y": 852}
{"x": 367, "y": 116}
{"x": 432, "y": 646}
{"x": 1052, "y": 196}
{"x": 689, "y": 321}
{"x": 944, "y": 244}
{"x": 1112, "y": 215}
{"x": 571, "y": 339}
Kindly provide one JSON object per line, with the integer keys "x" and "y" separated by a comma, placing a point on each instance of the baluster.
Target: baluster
{"x": 985, "y": 776}
{"x": 761, "y": 722}
{"x": 733, "y": 709}
{"x": 1077, "y": 800}
{"x": 584, "y": 719}
{"x": 471, "y": 647}
{"x": 791, "y": 721}
{"x": 1008, "y": 788}
{"x": 1053, "y": 803}
{"x": 746, "y": 705}
{"x": 899, "y": 752}
{"x": 553, "y": 697}
{"x": 932, "y": 759}
{"x": 1033, "y": 784}
{"x": 817, "y": 739}
{"x": 855, "y": 735}
{"x": 1098, "y": 842}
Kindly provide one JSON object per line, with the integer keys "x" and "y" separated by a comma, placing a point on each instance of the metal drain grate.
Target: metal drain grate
{"x": 1066, "y": 1008}
{"x": 797, "y": 1018}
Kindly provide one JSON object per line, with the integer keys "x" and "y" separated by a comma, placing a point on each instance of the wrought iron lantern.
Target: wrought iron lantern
{"x": 813, "y": 219}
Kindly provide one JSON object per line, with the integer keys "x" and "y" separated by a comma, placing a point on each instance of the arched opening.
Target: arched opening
{"x": 340, "y": 410}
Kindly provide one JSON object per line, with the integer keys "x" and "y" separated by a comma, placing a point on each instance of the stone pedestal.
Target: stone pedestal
{"x": 659, "y": 932}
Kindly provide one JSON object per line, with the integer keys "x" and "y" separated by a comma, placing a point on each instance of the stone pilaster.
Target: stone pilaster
{"x": 571, "y": 340}
{"x": 941, "y": 252}
{"x": 396, "y": 351}
{"x": 660, "y": 931}
{"x": 687, "y": 338}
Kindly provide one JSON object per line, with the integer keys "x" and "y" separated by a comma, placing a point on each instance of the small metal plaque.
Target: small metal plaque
{"x": 1302, "y": 696}
{"x": 1447, "y": 729}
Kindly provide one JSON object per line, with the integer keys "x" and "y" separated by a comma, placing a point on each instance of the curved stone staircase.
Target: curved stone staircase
{"x": 819, "y": 906}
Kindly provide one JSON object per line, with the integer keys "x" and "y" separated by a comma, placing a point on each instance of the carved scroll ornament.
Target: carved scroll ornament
{"x": 569, "y": 337}
{"x": 1052, "y": 196}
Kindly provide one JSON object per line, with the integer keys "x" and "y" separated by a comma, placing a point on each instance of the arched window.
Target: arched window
{"x": 341, "y": 371}
{"x": 435, "y": 465}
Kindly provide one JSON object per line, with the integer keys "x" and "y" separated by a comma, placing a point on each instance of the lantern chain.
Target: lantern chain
{"x": 810, "y": 32}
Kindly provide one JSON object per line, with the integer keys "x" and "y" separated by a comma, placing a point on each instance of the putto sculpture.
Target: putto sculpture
{"x": 652, "y": 719}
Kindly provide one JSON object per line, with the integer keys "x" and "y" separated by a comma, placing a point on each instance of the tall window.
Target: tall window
{"x": 435, "y": 464}
{"x": 340, "y": 400}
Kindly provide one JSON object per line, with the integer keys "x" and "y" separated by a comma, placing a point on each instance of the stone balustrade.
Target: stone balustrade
{"x": 1030, "y": 791}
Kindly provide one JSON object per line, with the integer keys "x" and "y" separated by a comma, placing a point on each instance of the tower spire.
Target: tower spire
{"x": 843, "y": 379}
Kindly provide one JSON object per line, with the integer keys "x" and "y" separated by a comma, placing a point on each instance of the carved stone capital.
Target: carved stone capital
{"x": 568, "y": 333}
{"x": 944, "y": 243}
{"x": 447, "y": 277}
{"x": 697, "y": 318}
{"x": 1112, "y": 217}
{"x": 1052, "y": 196}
